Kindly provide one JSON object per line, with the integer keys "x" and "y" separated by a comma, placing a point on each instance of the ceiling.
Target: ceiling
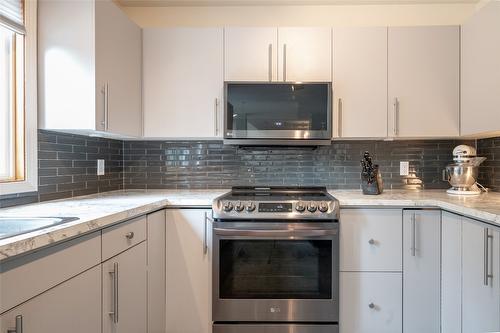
{"x": 175, "y": 3}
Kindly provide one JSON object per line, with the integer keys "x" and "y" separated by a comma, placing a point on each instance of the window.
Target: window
{"x": 17, "y": 96}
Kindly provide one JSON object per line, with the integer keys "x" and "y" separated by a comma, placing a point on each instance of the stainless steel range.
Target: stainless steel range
{"x": 275, "y": 261}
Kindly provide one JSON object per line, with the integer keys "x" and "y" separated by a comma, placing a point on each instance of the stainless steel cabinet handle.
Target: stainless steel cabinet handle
{"x": 413, "y": 235}
{"x": 19, "y": 325}
{"x": 371, "y": 306}
{"x": 270, "y": 65}
{"x": 105, "y": 92}
{"x": 396, "y": 116}
{"x": 205, "y": 233}
{"x": 486, "y": 262}
{"x": 284, "y": 62}
{"x": 341, "y": 116}
{"x": 371, "y": 241}
{"x": 130, "y": 235}
{"x": 216, "y": 117}
{"x": 114, "y": 273}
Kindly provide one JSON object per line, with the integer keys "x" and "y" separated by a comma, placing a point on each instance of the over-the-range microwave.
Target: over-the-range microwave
{"x": 281, "y": 113}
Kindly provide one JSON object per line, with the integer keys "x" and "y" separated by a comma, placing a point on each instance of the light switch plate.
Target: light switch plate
{"x": 404, "y": 168}
{"x": 100, "y": 167}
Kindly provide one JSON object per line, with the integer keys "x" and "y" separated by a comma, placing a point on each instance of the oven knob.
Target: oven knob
{"x": 299, "y": 206}
{"x": 239, "y": 206}
{"x": 250, "y": 207}
{"x": 228, "y": 206}
{"x": 312, "y": 207}
{"x": 323, "y": 207}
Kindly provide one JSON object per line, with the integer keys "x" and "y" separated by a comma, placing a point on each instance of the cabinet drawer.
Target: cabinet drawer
{"x": 371, "y": 240}
{"x": 371, "y": 302}
{"x": 30, "y": 275}
{"x": 122, "y": 236}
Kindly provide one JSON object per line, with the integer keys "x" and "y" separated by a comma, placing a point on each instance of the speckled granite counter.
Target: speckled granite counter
{"x": 100, "y": 210}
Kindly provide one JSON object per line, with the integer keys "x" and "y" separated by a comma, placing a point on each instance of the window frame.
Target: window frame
{"x": 30, "y": 181}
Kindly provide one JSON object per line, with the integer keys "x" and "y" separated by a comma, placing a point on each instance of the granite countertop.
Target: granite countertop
{"x": 100, "y": 210}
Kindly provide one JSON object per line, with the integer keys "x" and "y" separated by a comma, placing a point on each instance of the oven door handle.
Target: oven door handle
{"x": 311, "y": 233}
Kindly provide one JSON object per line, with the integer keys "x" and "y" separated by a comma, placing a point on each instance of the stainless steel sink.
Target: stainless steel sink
{"x": 13, "y": 226}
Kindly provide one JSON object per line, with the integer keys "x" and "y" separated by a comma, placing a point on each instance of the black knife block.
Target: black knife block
{"x": 375, "y": 187}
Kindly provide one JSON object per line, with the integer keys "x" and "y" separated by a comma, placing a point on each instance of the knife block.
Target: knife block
{"x": 374, "y": 188}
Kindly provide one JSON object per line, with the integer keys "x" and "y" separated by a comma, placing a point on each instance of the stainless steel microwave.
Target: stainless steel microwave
{"x": 281, "y": 113}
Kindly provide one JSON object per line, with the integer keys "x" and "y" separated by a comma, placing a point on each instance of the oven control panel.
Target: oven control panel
{"x": 298, "y": 207}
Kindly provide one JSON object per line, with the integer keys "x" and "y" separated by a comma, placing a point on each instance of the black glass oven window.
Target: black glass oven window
{"x": 277, "y": 107}
{"x": 275, "y": 269}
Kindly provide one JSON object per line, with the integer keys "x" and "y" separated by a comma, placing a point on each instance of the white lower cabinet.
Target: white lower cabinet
{"x": 470, "y": 298}
{"x": 188, "y": 271}
{"x": 124, "y": 292}
{"x": 370, "y": 302}
{"x": 73, "y": 306}
{"x": 421, "y": 271}
{"x": 451, "y": 273}
{"x": 480, "y": 278}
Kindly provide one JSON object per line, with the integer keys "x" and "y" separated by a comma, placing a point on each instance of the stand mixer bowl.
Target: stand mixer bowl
{"x": 462, "y": 175}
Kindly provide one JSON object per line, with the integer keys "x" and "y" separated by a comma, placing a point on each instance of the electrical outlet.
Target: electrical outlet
{"x": 100, "y": 167}
{"x": 404, "y": 168}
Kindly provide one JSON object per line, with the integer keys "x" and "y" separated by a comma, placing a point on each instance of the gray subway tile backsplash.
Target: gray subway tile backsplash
{"x": 68, "y": 165}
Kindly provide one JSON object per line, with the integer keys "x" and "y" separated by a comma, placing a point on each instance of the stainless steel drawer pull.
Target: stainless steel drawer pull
{"x": 130, "y": 235}
{"x": 486, "y": 263}
{"x": 19, "y": 325}
{"x": 371, "y": 306}
{"x": 114, "y": 288}
{"x": 371, "y": 242}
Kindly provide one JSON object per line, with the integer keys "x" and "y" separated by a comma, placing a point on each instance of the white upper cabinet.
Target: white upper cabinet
{"x": 278, "y": 54}
{"x": 423, "y": 81}
{"x": 250, "y": 54}
{"x": 360, "y": 82}
{"x": 421, "y": 271}
{"x": 183, "y": 82}
{"x": 480, "y": 278}
{"x": 89, "y": 68}
{"x": 305, "y": 54}
{"x": 481, "y": 71}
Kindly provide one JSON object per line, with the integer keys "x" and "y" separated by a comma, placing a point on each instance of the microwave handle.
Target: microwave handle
{"x": 275, "y": 233}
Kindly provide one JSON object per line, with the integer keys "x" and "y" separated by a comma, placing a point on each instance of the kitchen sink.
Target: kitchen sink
{"x": 13, "y": 226}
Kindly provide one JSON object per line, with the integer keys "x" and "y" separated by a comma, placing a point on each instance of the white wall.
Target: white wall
{"x": 336, "y": 15}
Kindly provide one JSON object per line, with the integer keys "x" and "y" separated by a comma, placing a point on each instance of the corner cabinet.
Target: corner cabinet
{"x": 480, "y": 81}
{"x": 423, "y": 81}
{"x": 278, "y": 54}
{"x": 90, "y": 60}
{"x": 470, "y": 276}
{"x": 189, "y": 279}
{"x": 183, "y": 82}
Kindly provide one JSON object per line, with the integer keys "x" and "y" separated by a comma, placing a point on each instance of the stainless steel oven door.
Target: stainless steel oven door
{"x": 275, "y": 272}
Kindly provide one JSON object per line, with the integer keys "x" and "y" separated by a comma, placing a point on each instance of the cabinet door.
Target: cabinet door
{"x": 250, "y": 54}
{"x": 423, "y": 81}
{"x": 73, "y": 306}
{"x": 156, "y": 272}
{"x": 371, "y": 240}
{"x": 360, "y": 82}
{"x": 188, "y": 272}
{"x": 305, "y": 54}
{"x": 370, "y": 302}
{"x": 118, "y": 51}
{"x": 421, "y": 271}
{"x": 451, "y": 273}
{"x": 124, "y": 292}
{"x": 183, "y": 82}
{"x": 480, "y": 80}
{"x": 481, "y": 294}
